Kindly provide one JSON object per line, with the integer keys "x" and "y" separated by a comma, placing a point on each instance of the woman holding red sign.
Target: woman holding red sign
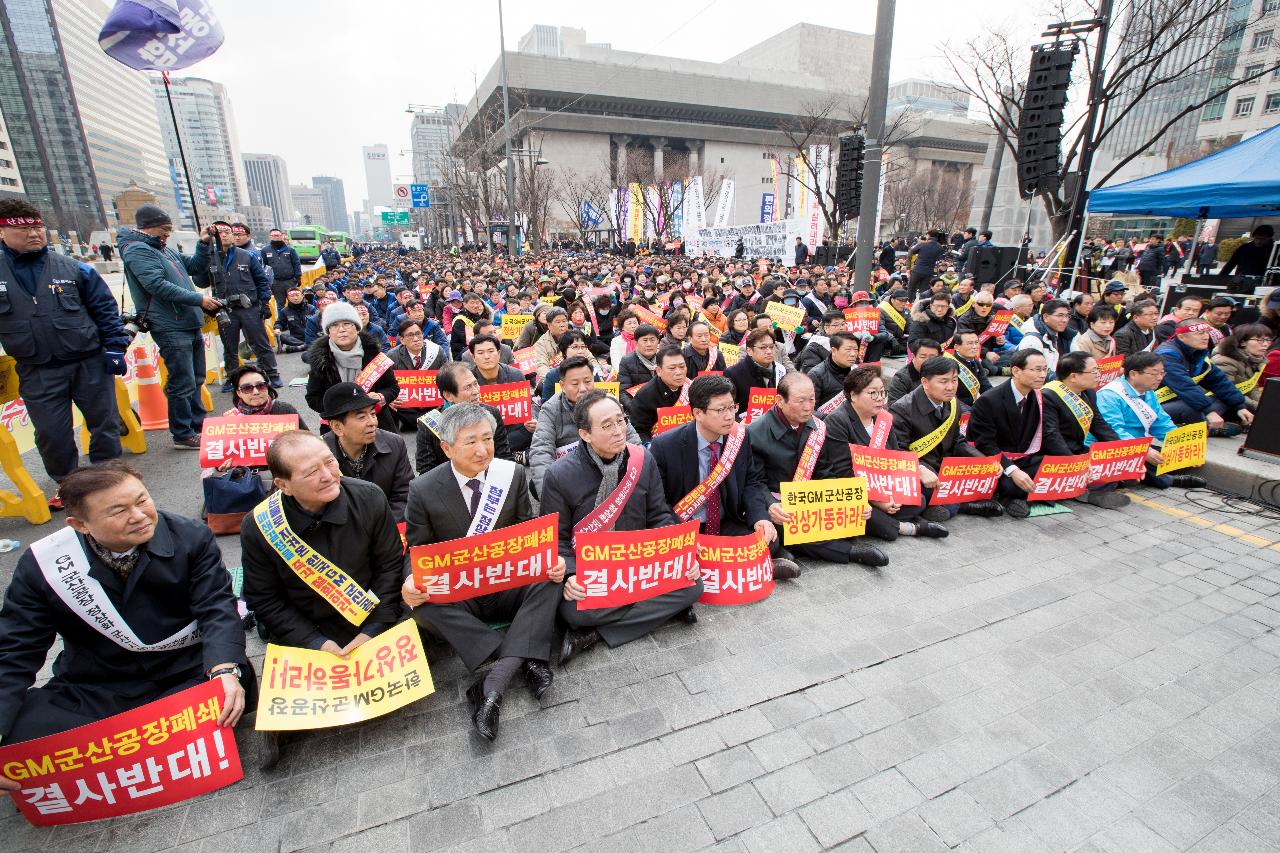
{"x": 864, "y": 420}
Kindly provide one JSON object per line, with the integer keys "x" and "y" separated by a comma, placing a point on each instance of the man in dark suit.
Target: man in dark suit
{"x": 1072, "y": 421}
{"x": 443, "y": 505}
{"x": 457, "y": 384}
{"x": 574, "y": 487}
{"x": 1007, "y": 421}
{"x": 756, "y": 368}
{"x": 686, "y": 456}
{"x": 777, "y": 440}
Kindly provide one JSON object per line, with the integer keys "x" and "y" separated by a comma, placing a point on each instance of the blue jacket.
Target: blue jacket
{"x": 28, "y": 269}
{"x": 1125, "y": 421}
{"x": 1181, "y": 363}
{"x": 153, "y": 269}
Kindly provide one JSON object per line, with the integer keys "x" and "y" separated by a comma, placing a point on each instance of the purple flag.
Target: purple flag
{"x": 160, "y": 35}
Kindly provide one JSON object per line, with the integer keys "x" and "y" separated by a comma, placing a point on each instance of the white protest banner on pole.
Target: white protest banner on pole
{"x": 695, "y": 214}
{"x": 819, "y": 161}
{"x": 724, "y": 207}
{"x": 763, "y": 240}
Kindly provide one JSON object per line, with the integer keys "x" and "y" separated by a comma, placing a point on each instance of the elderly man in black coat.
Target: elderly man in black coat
{"x": 574, "y": 487}
{"x": 443, "y": 505}
{"x": 158, "y": 576}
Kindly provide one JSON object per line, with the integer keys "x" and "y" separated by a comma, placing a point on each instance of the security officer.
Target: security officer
{"x": 245, "y": 288}
{"x": 60, "y": 324}
{"x": 285, "y": 268}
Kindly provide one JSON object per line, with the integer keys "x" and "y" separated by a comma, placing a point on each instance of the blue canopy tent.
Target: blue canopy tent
{"x": 1234, "y": 183}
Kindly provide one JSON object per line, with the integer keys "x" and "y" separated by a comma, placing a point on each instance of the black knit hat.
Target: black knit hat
{"x": 151, "y": 216}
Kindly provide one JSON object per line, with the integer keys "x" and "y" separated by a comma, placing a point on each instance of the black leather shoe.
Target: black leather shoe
{"x": 785, "y": 569}
{"x": 538, "y": 676}
{"x": 1017, "y": 508}
{"x": 985, "y": 509}
{"x": 935, "y": 513}
{"x": 576, "y": 642}
{"x": 931, "y": 530}
{"x": 687, "y": 616}
{"x": 485, "y": 710}
{"x": 868, "y": 555}
{"x": 1189, "y": 481}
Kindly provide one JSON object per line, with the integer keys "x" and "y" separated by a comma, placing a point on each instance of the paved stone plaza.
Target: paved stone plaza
{"x": 1100, "y": 681}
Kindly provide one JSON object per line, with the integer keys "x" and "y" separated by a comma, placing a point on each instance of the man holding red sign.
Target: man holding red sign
{"x": 457, "y": 384}
{"x": 1072, "y": 422}
{"x": 476, "y": 494}
{"x": 667, "y": 389}
{"x": 710, "y": 474}
{"x": 141, "y": 601}
{"x": 607, "y": 485}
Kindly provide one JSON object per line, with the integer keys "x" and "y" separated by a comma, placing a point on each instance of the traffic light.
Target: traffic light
{"x": 1040, "y": 120}
{"x": 849, "y": 175}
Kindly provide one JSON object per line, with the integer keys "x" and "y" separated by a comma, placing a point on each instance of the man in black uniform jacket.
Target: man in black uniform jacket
{"x": 1071, "y": 415}
{"x": 160, "y": 578}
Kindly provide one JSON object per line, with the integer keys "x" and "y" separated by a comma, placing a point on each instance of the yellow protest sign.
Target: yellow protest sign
{"x": 731, "y": 354}
{"x": 305, "y": 689}
{"x": 548, "y": 299}
{"x": 610, "y": 388}
{"x": 790, "y": 317}
{"x": 513, "y": 325}
{"x": 1184, "y": 447}
{"x": 822, "y": 510}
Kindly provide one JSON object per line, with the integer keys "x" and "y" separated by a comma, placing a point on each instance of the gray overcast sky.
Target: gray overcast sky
{"x": 313, "y": 81}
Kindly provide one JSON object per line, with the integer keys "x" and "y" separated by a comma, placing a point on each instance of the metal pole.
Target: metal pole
{"x": 1195, "y": 241}
{"x": 877, "y": 102}
{"x": 506, "y": 121}
{"x": 1081, "y": 194}
{"x": 1084, "y": 227}
{"x": 182, "y": 154}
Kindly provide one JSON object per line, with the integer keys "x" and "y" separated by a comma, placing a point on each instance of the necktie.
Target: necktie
{"x": 474, "y": 486}
{"x": 713, "y": 499}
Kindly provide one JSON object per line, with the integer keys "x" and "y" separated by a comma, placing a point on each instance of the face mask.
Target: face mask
{"x": 841, "y": 302}
{"x": 789, "y": 301}
{"x": 276, "y": 244}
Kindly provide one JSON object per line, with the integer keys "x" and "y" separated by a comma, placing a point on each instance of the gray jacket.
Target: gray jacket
{"x": 556, "y": 429}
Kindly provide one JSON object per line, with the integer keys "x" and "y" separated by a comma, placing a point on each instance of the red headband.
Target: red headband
{"x": 1192, "y": 328}
{"x": 20, "y": 221}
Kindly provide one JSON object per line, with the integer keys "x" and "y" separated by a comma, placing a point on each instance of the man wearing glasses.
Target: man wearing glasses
{"x": 1072, "y": 422}
{"x": 58, "y": 321}
{"x": 1008, "y": 421}
{"x": 737, "y": 499}
{"x": 1044, "y": 334}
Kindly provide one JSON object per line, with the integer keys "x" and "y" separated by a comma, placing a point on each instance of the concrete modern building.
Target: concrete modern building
{"x": 309, "y": 206}
{"x": 377, "y": 175}
{"x": 927, "y": 97}
{"x": 46, "y": 135}
{"x": 116, "y": 106}
{"x": 10, "y": 176}
{"x": 268, "y": 179}
{"x": 209, "y": 139}
{"x": 335, "y": 202}
{"x": 429, "y": 135}
{"x": 1251, "y": 107}
{"x": 624, "y": 116}
{"x": 260, "y": 219}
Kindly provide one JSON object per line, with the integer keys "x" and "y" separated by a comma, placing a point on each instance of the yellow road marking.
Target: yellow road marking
{"x": 1199, "y": 521}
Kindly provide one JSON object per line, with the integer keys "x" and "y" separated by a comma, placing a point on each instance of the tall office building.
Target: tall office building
{"x": 335, "y": 200}
{"x": 116, "y": 106}
{"x": 10, "y": 176}
{"x": 268, "y": 179}
{"x": 48, "y": 142}
{"x": 308, "y": 205}
{"x": 209, "y": 139}
{"x": 377, "y": 175}
{"x": 430, "y": 141}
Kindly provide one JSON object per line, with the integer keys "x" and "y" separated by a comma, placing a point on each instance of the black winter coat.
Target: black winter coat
{"x": 324, "y": 375}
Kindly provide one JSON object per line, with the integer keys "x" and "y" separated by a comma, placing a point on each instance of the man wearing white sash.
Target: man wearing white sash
{"x": 1072, "y": 422}
{"x": 457, "y": 384}
{"x": 322, "y": 557}
{"x": 710, "y": 473}
{"x": 1129, "y": 405}
{"x": 1008, "y": 421}
{"x": 141, "y": 601}
{"x": 608, "y": 484}
{"x": 477, "y": 493}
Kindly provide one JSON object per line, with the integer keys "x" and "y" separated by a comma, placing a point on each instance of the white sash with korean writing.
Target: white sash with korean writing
{"x": 493, "y": 496}
{"x": 65, "y": 566}
{"x": 1145, "y": 413}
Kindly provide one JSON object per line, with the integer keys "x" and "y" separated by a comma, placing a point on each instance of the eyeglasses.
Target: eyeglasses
{"x": 619, "y": 423}
{"x": 251, "y": 387}
{"x": 876, "y": 395}
{"x": 721, "y": 411}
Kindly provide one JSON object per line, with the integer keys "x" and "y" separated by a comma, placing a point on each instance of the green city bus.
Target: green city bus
{"x": 341, "y": 241}
{"x": 306, "y": 240}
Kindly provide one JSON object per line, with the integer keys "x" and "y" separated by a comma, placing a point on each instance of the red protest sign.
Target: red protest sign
{"x": 862, "y": 319}
{"x": 623, "y": 567}
{"x": 1117, "y": 461}
{"x": 670, "y": 417}
{"x": 891, "y": 475}
{"x": 418, "y": 389}
{"x": 647, "y": 316}
{"x": 760, "y": 401}
{"x": 997, "y": 326}
{"x": 242, "y": 440}
{"x": 735, "y": 569}
{"x": 1061, "y": 477}
{"x": 490, "y": 562}
{"x": 510, "y": 398}
{"x": 525, "y": 361}
{"x": 1110, "y": 368}
{"x": 165, "y": 752}
{"x": 962, "y": 479}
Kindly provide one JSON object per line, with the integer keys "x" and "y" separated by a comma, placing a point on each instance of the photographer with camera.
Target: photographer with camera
{"x": 237, "y": 279}
{"x": 59, "y": 322}
{"x": 170, "y": 307}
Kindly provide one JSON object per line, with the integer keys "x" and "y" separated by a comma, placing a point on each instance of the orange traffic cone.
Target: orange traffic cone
{"x": 153, "y": 408}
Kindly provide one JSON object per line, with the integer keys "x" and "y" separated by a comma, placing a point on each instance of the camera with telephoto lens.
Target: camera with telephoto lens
{"x": 134, "y": 324}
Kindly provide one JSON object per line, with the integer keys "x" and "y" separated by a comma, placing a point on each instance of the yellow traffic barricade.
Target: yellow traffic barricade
{"x": 133, "y": 439}
{"x": 30, "y": 502}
